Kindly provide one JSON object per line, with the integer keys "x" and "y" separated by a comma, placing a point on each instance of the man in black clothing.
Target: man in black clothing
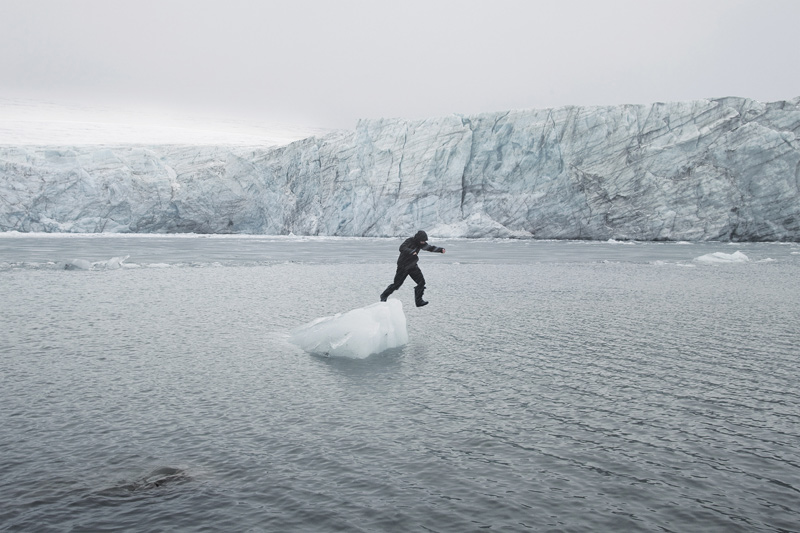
{"x": 407, "y": 266}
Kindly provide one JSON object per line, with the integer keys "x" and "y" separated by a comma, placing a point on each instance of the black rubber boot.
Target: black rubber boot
{"x": 418, "y": 290}
{"x": 389, "y": 290}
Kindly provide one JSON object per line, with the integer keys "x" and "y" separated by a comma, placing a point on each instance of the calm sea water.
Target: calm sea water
{"x": 549, "y": 386}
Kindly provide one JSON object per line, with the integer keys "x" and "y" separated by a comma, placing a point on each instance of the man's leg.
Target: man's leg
{"x": 416, "y": 275}
{"x": 399, "y": 278}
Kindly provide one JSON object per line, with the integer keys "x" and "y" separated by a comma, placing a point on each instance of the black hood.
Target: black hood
{"x": 421, "y": 236}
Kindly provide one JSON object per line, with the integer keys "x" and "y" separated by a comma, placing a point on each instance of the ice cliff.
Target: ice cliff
{"x": 724, "y": 169}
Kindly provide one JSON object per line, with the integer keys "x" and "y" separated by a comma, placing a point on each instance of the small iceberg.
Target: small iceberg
{"x": 720, "y": 257}
{"x": 78, "y": 264}
{"x": 355, "y": 334}
{"x": 114, "y": 263}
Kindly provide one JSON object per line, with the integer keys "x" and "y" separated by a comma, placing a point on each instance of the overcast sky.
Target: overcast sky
{"x": 327, "y": 63}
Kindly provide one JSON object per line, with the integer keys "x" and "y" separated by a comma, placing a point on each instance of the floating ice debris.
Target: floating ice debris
{"x": 356, "y": 334}
{"x": 78, "y": 264}
{"x": 113, "y": 263}
{"x": 721, "y": 257}
{"x": 82, "y": 264}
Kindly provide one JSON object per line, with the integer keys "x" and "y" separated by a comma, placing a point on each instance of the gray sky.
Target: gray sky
{"x": 327, "y": 63}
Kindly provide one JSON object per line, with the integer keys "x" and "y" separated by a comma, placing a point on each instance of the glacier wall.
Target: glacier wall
{"x": 726, "y": 169}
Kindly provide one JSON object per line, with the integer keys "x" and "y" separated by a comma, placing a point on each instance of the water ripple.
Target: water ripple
{"x": 537, "y": 396}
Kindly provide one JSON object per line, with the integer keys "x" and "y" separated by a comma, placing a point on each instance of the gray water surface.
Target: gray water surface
{"x": 549, "y": 386}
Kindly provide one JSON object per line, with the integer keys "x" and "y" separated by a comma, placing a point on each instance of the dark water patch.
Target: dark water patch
{"x": 159, "y": 479}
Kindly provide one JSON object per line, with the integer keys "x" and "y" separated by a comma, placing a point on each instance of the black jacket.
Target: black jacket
{"x": 410, "y": 248}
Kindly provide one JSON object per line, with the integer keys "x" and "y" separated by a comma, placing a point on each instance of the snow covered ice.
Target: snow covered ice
{"x": 670, "y": 171}
{"x": 356, "y": 334}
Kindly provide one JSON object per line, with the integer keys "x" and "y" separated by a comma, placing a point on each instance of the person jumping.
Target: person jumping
{"x": 407, "y": 266}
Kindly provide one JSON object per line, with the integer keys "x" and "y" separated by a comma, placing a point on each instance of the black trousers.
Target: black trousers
{"x": 402, "y": 274}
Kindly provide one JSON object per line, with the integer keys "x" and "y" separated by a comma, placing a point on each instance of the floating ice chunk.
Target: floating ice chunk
{"x": 113, "y": 264}
{"x": 356, "y": 334}
{"x": 82, "y": 264}
{"x": 78, "y": 264}
{"x": 721, "y": 257}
